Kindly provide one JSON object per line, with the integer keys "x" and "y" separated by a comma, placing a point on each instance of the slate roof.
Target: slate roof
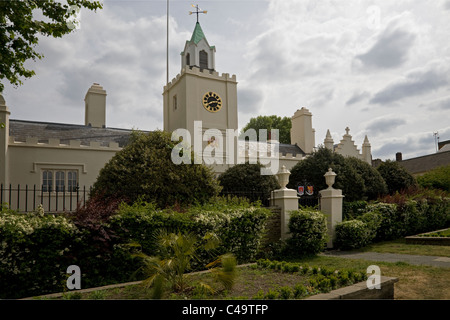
{"x": 21, "y": 129}
{"x": 291, "y": 148}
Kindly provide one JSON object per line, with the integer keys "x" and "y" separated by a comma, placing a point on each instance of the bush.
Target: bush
{"x": 398, "y": 215}
{"x": 35, "y": 251}
{"x": 374, "y": 183}
{"x": 308, "y": 231}
{"x": 246, "y": 180}
{"x": 352, "y": 210}
{"x": 438, "y": 178}
{"x": 144, "y": 169}
{"x": 240, "y": 228}
{"x": 351, "y": 234}
{"x": 395, "y": 176}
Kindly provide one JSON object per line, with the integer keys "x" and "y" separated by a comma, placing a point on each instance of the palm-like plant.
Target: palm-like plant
{"x": 177, "y": 252}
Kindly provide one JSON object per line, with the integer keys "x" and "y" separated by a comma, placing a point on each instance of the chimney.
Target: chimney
{"x": 95, "y": 107}
{"x": 302, "y": 132}
{"x": 398, "y": 157}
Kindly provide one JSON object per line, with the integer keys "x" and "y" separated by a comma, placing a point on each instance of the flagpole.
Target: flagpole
{"x": 167, "y": 49}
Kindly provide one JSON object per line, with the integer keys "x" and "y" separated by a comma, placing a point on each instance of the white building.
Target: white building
{"x": 57, "y": 157}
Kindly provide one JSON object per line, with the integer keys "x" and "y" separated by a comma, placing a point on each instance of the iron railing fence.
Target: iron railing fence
{"x": 27, "y": 199}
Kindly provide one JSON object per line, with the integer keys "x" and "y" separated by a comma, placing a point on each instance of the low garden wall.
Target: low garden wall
{"x": 428, "y": 238}
{"x": 361, "y": 291}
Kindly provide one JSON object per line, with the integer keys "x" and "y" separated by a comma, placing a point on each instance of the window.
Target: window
{"x": 188, "y": 59}
{"x": 59, "y": 180}
{"x": 47, "y": 181}
{"x": 175, "y": 105}
{"x": 203, "y": 60}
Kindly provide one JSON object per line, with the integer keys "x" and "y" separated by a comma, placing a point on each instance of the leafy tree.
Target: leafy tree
{"x": 144, "y": 170}
{"x": 20, "y": 30}
{"x": 313, "y": 168}
{"x": 438, "y": 178}
{"x": 246, "y": 179}
{"x": 373, "y": 181}
{"x": 396, "y": 176}
{"x": 271, "y": 122}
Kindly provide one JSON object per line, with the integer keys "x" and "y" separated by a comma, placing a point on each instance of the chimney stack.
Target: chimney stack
{"x": 398, "y": 157}
{"x": 95, "y": 107}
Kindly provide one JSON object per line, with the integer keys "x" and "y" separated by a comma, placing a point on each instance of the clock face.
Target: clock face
{"x": 212, "y": 102}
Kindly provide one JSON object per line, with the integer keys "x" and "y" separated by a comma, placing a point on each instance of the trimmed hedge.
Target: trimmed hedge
{"x": 388, "y": 221}
{"x": 308, "y": 229}
{"x": 239, "y": 228}
{"x": 351, "y": 234}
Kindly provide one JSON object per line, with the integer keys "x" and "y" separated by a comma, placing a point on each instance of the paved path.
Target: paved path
{"x": 392, "y": 257}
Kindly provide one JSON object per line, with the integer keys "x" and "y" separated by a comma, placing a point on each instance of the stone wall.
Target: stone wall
{"x": 273, "y": 226}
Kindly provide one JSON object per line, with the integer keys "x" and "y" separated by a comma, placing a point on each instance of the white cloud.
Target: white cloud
{"x": 417, "y": 82}
{"x": 285, "y": 54}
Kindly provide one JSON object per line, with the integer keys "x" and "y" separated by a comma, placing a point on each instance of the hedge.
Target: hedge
{"x": 309, "y": 233}
{"x": 388, "y": 221}
{"x": 34, "y": 252}
{"x": 36, "y": 249}
{"x": 240, "y": 228}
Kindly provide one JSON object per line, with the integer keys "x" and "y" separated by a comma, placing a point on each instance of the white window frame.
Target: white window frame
{"x": 56, "y": 175}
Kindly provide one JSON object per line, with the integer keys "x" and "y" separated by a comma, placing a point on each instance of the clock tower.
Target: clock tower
{"x": 200, "y": 93}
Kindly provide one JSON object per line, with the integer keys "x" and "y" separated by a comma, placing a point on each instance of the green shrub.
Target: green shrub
{"x": 246, "y": 179}
{"x": 144, "y": 170}
{"x": 396, "y": 176}
{"x": 35, "y": 251}
{"x": 351, "y": 234}
{"x": 352, "y": 210}
{"x": 286, "y": 292}
{"x": 300, "y": 291}
{"x": 391, "y": 223}
{"x": 438, "y": 178}
{"x": 240, "y": 229}
{"x": 308, "y": 231}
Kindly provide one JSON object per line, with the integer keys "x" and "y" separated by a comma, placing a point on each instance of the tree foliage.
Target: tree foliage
{"x": 246, "y": 178}
{"x": 396, "y": 177}
{"x": 438, "y": 178}
{"x": 144, "y": 170}
{"x": 271, "y": 122}
{"x": 20, "y": 31}
{"x": 357, "y": 180}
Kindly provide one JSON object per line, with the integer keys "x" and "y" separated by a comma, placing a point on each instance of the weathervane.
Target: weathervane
{"x": 198, "y": 10}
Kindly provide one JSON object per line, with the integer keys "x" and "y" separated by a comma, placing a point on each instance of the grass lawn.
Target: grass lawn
{"x": 415, "y": 282}
{"x": 400, "y": 246}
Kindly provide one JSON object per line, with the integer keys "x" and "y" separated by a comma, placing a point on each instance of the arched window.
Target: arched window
{"x": 188, "y": 59}
{"x": 203, "y": 59}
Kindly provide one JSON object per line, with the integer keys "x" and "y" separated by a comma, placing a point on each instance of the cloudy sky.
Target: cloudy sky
{"x": 382, "y": 68}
